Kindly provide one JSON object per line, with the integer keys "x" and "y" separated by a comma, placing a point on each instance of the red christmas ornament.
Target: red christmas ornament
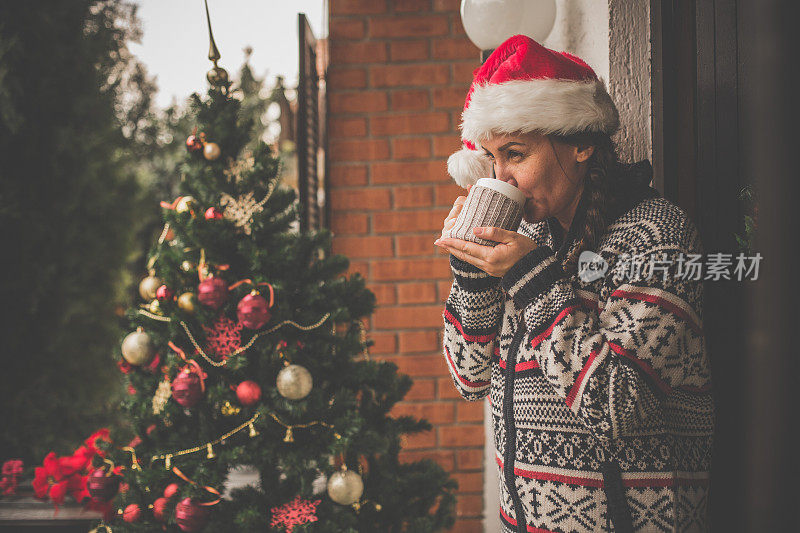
{"x": 224, "y": 337}
{"x": 102, "y": 487}
{"x": 190, "y": 516}
{"x": 171, "y": 490}
{"x": 193, "y": 143}
{"x": 253, "y": 311}
{"x": 294, "y": 513}
{"x": 248, "y": 392}
{"x": 212, "y": 213}
{"x": 160, "y": 508}
{"x": 132, "y": 513}
{"x": 164, "y": 293}
{"x": 212, "y": 292}
{"x": 187, "y": 388}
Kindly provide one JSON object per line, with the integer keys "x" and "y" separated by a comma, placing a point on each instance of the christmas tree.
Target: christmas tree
{"x": 248, "y": 349}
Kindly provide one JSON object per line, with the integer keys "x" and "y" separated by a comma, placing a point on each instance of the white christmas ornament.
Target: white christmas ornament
{"x": 294, "y": 382}
{"x": 345, "y": 487}
{"x": 490, "y": 22}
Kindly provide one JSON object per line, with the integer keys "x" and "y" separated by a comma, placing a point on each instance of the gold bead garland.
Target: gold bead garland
{"x": 289, "y": 437}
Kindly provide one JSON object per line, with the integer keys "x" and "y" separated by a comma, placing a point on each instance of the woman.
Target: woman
{"x": 598, "y": 379}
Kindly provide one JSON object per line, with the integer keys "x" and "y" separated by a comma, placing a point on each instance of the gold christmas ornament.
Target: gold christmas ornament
{"x": 211, "y": 151}
{"x": 253, "y": 432}
{"x": 294, "y": 382}
{"x": 345, "y": 487}
{"x": 210, "y": 454}
{"x": 186, "y": 203}
{"x": 161, "y": 397}
{"x": 148, "y": 287}
{"x": 217, "y": 76}
{"x": 155, "y": 307}
{"x": 289, "y": 437}
{"x": 138, "y": 348}
{"x": 187, "y": 302}
{"x": 230, "y": 410}
{"x": 187, "y": 266}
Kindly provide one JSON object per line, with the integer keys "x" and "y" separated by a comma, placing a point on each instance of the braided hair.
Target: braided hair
{"x": 612, "y": 188}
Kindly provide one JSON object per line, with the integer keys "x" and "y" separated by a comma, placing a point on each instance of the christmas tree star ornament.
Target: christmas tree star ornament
{"x": 294, "y": 513}
{"x": 241, "y": 210}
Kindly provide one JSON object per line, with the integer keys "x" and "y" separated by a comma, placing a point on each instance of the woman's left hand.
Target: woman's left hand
{"x": 494, "y": 260}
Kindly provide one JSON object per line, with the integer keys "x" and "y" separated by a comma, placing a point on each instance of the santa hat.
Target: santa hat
{"x": 524, "y": 87}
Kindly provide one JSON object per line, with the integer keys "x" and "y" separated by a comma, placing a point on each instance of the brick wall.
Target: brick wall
{"x": 398, "y": 74}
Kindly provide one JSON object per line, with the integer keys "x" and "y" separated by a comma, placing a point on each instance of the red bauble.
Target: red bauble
{"x": 193, "y": 143}
{"x": 187, "y": 388}
{"x": 212, "y": 213}
{"x": 102, "y": 488}
{"x": 212, "y": 292}
{"x": 159, "y": 509}
{"x": 132, "y": 513}
{"x": 164, "y": 293}
{"x": 248, "y": 392}
{"x": 190, "y": 516}
{"x": 171, "y": 489}
{"x": 253, "y": 311}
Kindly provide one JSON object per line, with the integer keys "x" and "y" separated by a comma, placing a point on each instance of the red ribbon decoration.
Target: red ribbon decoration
{"x": 191, "y": 364}
{"x": 212, "y": 490}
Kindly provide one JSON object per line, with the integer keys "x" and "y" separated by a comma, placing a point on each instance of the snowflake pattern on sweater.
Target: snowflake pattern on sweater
{"x": 582, "y": 373}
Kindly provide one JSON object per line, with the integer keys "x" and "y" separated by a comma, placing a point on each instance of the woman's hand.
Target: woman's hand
{"x": 494, "y": 260}
{"x": 450, "y": 220}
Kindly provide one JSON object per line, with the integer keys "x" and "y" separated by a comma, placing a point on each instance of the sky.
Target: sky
{"x": 175, "y": 40}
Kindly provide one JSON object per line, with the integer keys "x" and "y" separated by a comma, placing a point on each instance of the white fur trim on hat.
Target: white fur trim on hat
{"x": 468, "y": 166}
{"x": 544, "y": 105}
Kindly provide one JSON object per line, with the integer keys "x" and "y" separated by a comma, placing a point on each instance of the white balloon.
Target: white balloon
{"x": 490, "y": 22}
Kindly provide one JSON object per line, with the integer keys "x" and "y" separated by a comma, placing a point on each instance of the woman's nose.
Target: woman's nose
{"x": 502, "y": 173}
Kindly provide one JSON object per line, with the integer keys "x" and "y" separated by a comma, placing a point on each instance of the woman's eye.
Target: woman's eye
{"x": 513, "y": 154}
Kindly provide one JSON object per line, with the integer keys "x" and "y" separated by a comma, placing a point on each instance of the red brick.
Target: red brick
{"x": 467, "y": 525}
{"x": 384, "y": 292}
{"x": 343, "y": 28}
{"x": 444, "y": 288}
{"x": 469, "y": 411}
{"x": 410, "y": 269}
{"x": 445, "y": 145}
{"x": 349, "y": 223}
{"x": 360, "y": 199}
{"x": 410, "y": 221}
{"x": 358, "y": 150}
{"x": 409, "y": 50}
{"x": 366, "y": 52}
{"x": 446, "y": 5}
{"x": 416, "y": 293}
{"x": 446, "y": 459}
{"x": 461, "y": 436}
{"x": 410, "y": 196}
{"x": 346, "y": 78}
{"x": 449, "y": 97}
{"x": 410, "y": 100}
{"x": 363, "y": 247}
{"x": 357, "y": 7}
{"x": 469, "y": 481}
{"x": 410, "y": 123}
{"x": 412, "y": 148}
{"x": 385, "y": 343}
{"x": 420, "y": 365}
{"x": 462, "y": 71}
{"x": 408, "y": 75}
{"x": 358, "y": 102}
{"x": 470, "y": 459}
{"x": 433, "y": 412}
{"x": 417, "y": 244}
{"x": 459, "y": 48}
{"x": 458, "y": 26}
{"x": 422, "y": 389}
{"x": 469, "y": 505}
{"x": 420, "y": 316}
{"x": 401, "y": 6}
{"x": 362, "y": 267}
{"x": 417, "y": 341}
{"x": 347, "y": 127}
{"x": 423, "y": 440}
{"x": 410, "y": 172}
{"x": 346, "y": 175}
{"x": 447, "y": 390}
{"x": 446, "y": 194}
{"x": 409, "y": 26}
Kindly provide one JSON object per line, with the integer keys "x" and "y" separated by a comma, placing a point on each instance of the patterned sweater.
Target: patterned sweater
{"x": 599, "y": 390}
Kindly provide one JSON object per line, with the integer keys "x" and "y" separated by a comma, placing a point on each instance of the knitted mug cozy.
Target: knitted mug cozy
{"x": 490, "y": 203}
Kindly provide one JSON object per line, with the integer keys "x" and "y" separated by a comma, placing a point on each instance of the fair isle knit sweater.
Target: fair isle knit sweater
{"x": 599, "y": 391}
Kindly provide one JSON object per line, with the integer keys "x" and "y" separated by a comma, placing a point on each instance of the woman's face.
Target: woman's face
{"x": 552, "y": 184}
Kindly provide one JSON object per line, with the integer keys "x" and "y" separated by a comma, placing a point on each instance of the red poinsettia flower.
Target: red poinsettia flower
{"x": 101, "y": 435}
{"x": 8, "y": 485}
{"x": 77, "y": 462}
{"x": 12, "y": 467}
{"x": 47, "y": 475}
{"x": 77, "y": 487}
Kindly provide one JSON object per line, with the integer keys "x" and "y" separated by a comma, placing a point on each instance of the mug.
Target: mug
{"x": 490, "y": 202}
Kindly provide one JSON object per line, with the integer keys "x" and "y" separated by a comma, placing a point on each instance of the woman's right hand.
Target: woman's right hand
{"x": 450, "y": 220}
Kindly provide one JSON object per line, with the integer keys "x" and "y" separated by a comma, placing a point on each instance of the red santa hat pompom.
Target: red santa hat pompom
{"x": 524, "y": 87}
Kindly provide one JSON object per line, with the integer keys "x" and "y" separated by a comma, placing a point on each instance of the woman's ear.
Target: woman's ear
{"x": 583, "y": 152}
